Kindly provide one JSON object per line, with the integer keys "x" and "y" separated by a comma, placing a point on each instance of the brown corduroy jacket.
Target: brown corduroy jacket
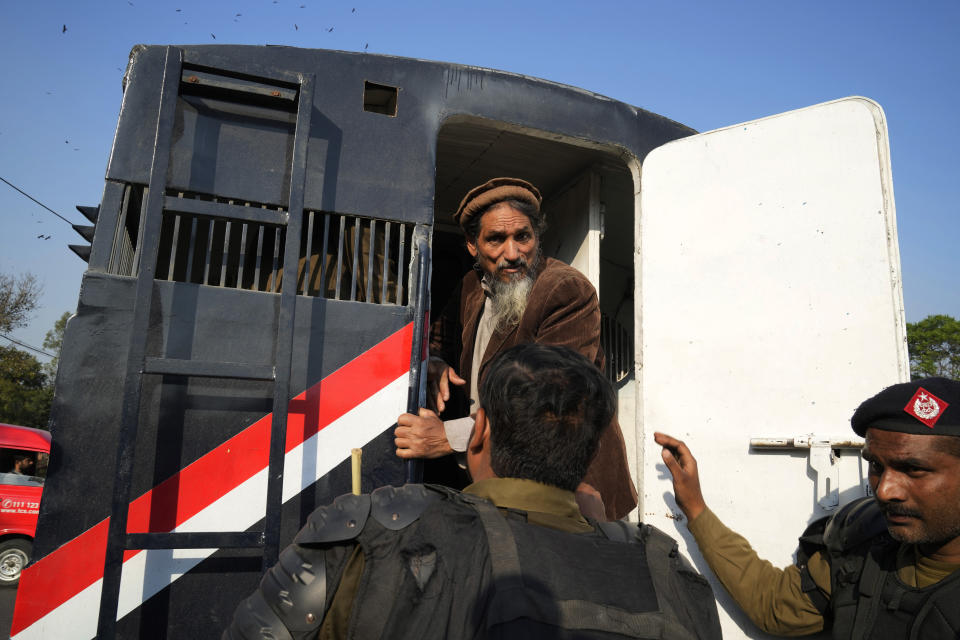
{"x": 562, "y": 310}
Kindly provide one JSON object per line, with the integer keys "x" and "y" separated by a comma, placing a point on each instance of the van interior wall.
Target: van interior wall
{"x": 589, "y": 204}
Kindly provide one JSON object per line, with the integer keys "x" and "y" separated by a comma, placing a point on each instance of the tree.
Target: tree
{"x": 18, "y": 298}
{"x": 25, "y": 390}
{"x": 53, "y": 342}
{"x": 25, "y": 395}
{"x": 934, "y": 345}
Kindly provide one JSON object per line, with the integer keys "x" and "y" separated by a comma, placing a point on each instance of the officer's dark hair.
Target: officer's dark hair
{"x": 547, "y": 406}
{"x": 472, "y": 227}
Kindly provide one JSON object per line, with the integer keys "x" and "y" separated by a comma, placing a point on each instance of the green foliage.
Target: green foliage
{"x": 25, "y": 396}
{"x": 934, "y": 345}
{"x": 26, "y": 385}
{"x": 53, "y": 342}
{"x": 18, "y": 299}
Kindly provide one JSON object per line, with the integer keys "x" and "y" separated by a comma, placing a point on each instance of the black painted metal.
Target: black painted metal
{"x": 208, "y": 369}
{"x": 222, "y": 211}
{"x": 288, "y": 300}
{"x": 138, "y": 364}
{"x": 113, "y": 563}
{"x": 195, "y": 540}
{"x": 416, "y": 395}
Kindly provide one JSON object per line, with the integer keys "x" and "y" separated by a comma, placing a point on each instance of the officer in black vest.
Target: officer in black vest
{"x": 886, "y": 566}
{"x": 510, "y": 557}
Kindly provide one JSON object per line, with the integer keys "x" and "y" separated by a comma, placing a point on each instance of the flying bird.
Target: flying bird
{"x": 330, "y": 29}
{"x": 213, "y": 36}
{"x": 64, "y": 29}
{"x": 296, "y": 28}
{"x": 365, "y": 46}
{"x": 354, "y": 10}
{"x": 239, "y": 14}
{"x": 46, "y": 237}
{"x": 178, "y": 10}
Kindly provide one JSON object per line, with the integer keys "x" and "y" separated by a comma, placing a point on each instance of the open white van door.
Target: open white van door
{"x": 769, "y": 305}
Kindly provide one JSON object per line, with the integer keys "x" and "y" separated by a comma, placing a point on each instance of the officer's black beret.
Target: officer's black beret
{"x": 930, "y": 406}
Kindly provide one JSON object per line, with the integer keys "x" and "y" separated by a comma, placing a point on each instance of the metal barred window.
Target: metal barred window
{"x": 342, "y": 257}
{"x": 617, "y": 345}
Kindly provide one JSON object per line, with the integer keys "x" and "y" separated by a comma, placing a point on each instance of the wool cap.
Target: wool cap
{"x": 493, "y": 191}
{"x": 930, "y": 406}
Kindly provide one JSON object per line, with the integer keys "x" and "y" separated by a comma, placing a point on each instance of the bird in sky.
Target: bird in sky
{"x": 213, "y": 36}
{"x": 64, "y": 29}
{"x": 330, "y": 29}
{"x": 296, "y": 28}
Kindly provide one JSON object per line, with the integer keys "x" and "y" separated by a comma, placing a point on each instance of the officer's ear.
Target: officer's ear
{"x": 478, "y": 448}
{"x": 480, "y": 434}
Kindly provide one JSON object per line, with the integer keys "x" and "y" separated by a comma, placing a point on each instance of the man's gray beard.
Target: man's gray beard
{"x": 509, "y": 301}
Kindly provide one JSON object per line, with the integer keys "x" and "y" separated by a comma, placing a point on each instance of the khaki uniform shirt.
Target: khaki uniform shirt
{"x": 772, "y": 597}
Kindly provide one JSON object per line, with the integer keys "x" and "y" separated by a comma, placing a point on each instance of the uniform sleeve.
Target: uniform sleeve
{"x": 771, "y": 597}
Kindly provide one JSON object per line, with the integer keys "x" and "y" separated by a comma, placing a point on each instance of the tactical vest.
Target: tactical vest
{"x": 441, "y": 564}
{"x": 867, "y": 599}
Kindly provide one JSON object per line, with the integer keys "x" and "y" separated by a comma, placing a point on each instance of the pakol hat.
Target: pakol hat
{"x": 930, "y": 406}
{"x": 493, "y": 191}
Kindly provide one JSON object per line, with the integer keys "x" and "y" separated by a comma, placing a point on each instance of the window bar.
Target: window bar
{"x": 120, "y": 253}
{"x": 308, "y": 251}
{"x": 277, "y": 265}
{"x": 173, "y": 246}
{"x": 386, "y": 261}
{"x": 138, "y": 248}
{"x": 191, "y": 246}
{"x": 209, "y": 253}
{"x": 323, "y": 258}
{"x": 256, "y": 264}
{"x": 357, "y": 230}
{"x": 403, "y": 239}
{"x": 336, "y": 283}
{"x": 226, "y": 253}
{"x": 242, "y": 258}
{"x": 370, "y": 254}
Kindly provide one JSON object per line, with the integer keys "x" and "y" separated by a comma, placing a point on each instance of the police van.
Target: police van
{"x": 275, "y": 229}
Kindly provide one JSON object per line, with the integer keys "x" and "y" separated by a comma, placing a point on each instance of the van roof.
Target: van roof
{"x": 16, "y": 437}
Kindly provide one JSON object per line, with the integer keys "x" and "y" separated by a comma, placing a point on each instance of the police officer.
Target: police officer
{"x": 886, "y": 566}
{"x": 510, "y": 557}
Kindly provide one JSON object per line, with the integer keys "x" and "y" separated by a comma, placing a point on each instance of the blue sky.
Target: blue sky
{"x": 705, "y": 64}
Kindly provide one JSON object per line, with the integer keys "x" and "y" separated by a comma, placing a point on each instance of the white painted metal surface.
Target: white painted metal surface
{"x": 769, "y": 304}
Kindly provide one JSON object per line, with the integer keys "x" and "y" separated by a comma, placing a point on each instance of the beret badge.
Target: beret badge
{"x": 926, "y": 407}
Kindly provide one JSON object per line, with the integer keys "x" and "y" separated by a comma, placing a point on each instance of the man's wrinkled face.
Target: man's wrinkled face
{"x": 506, "y": 247}
{"x": 917, "y": 484}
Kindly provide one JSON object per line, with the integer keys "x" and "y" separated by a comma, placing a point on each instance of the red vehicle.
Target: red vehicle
{"x": 24, "y": 454}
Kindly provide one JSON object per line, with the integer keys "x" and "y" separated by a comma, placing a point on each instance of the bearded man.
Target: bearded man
{"x": 512, "y": 296}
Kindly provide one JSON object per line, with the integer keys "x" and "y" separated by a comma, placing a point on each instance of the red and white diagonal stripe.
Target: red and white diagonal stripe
{"x": 225, "y": 490}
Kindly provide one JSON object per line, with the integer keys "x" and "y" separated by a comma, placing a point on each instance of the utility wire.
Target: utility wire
{"x": 37, "y": 201}
{"x": 23, "y": 344}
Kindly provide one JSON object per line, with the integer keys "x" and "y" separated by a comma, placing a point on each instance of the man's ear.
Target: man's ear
{"x": 472, "y": 246}
{"x": 480, "y": 435}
